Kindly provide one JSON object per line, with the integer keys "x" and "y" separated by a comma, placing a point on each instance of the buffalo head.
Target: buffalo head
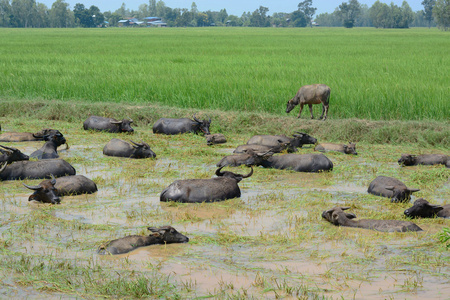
{"x": 407, "y": 160}
{"x": 13, "y": 154}
{"x": 301, "y": 138}
{"x": 401, "y": 194}
{"x": 124, "y": 125}
{"x": 203, "y": 125}
{"x": 45, "y": 192}
{"x": 422, "y": 208}
{"x": 169, "y": 235}
{"x": 237, "y": 177}
{"x": 142, "y": 150}
{"x": 290, "y": 105}
{"x": 337, "y": 216}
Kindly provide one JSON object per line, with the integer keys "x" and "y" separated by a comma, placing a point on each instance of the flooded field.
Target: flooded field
{"x": 270, "y": 243}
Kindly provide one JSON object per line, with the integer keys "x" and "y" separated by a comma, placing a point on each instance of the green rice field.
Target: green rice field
{"x": 373, "y": 74}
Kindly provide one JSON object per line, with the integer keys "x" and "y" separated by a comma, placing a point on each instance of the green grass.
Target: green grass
{"x": 373, "y": 74}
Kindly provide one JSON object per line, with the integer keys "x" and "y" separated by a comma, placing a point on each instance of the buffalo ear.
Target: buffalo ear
{"x": 32, "y": 197}
{"x": 350, "y": 215}
{"x": 390, "y": 187}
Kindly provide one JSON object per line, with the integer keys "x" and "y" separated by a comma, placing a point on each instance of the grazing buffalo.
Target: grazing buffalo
{"x": 223, "y": 187}
{"x": 391, "y": 188}
{"x": 50, "y": 190}
{"x": 120, "y": 148}
{"x": 311, "y": 162}
{"x": 261, "y": 148}
{"x": 108, "y": 124}
{"x": 10, "y": 154}
{"x": 161, "y": 235}
{"x": 177, "y": 126}
{"x": 299, "y": 139}
{"x": 27, "y": 136}
{"x": 338, "y": 217}
{"x": 311, "y": 94}
{"x": 347, "y": 149}
{"x": 36, "y": 169}
{"x": 216, "y": 138}
{"x": 248, "y": 158}
{"x": 424, "y": 159}
{"x": 423, "y": 209}
{"x": 48, "y": 151}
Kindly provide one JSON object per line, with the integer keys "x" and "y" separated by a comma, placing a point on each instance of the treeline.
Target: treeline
{"x": 29, "y": 13}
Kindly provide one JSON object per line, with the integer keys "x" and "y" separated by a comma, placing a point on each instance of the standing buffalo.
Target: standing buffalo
{"x": 177, "y": 126}
{"x": 311, "y": 162}
{"x": 50, "y": 190}
{"x": 347, "y": 149}
{"x": 423, "y": 209}
{"x": 48, "y": 151}
{"x": 311, "y": 94}
{"x": 424, "y": 159}
{"x": 223, "y": 187}
{"x": 10, "y": 154}
{"x": 391, "y": 188}
{"x": 162, "y": 235}
{"x": 36, "y": 169}
{"x": 298, "y": 140}
{"x": 216, "y": 138}
{"x": 120, "y": 148}
{"x": 338, "y": 217}
{"x": 108, "y": 124}
{"x": 27, "y": 136}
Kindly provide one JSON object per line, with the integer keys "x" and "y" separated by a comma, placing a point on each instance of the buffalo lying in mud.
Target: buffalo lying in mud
{"x": 311, "y": 94}
{"x": 184, "y": 125}
{"x": 423, "y": 209}
{"x": 338, "y": 217}
{"x": 311, "y": 162}
{"x": 424, "y": 159}
{"x": 120, "y": 148}
{"x": 249, "y": 157}
{"x": 347, "y": 149}
{"x": 216, "y": 138}
{"x": 50, "y": 190}
{"x": 223, "y": 187}
{"x": 108, "y": 124}
{"x": 261, "y": 148}
{"x": 10, "y": 154}
{"x": 36, "y": 169}
{"x": 27, "y": 136}
{"x": 391, "y": 188}
{"x": 161, "y": 235}
{"x": 298, "y": 140}
{"x": 48, "y": 151}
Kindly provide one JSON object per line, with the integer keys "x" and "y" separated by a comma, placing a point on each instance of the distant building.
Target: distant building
{"x": 130, "y": 22}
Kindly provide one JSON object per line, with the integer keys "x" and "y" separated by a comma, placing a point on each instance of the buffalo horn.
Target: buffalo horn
{"x": 209, "y": 118}
{"x": 4, "y": 166}
{"x": 137, "y": 144}
{"x": 249, "y": 174}
{"x": 115, "y": 122}
{"x": 53, "y": 181}
{"x": 8, "y": 148}
{"x": 33, "y": 187}
{"x": 218, "y": 173}
{"x": 131, "y": 120}
{"x": 197, "y": 120}
{"x": 345, "y": 208}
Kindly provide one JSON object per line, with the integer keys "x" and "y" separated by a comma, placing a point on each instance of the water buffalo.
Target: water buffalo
{"x": 27, "y": 136}
{"x": 248, "y": 158}
{"x": 177, "y": 126}
{"x": 161, "y": 235}
{"x": 120, "y": 148}
{"x": 391, "y": 188}
{"x": 338, "y": 217}
{"x": 311, "y": 162}
{"x": 50, "y": 190}
{"x": 298, "y": 140}
{"x": 216, "y": 138}
{"x": 108, "y": 124}
{"x": 347, "y": 149}
{"x": 311, "y": 94}
{"x": 10, "y": 154}
{"x": 48, "y": 151}
{"x": 36, "y": 169}
{"x": 423, "y": 209}
{"x": 424, "y": 159}
{"x": 223, "y": 187}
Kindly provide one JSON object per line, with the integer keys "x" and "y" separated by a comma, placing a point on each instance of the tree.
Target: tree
{"x": 309, "y": 11}
{"x": 5, "y": 13}
{"x": 407, "y": 15}
{"x": 96, "y": 18}
{"x": 259, "y": 17}
{"x": 428, "y": 10}
{"x": 202, "y": 19}
{"x": 58, "y": 14}
{"x": 298, "y": 19}
{"x": 441, "y": 13}
{"x": 23, "y": 12}
{"x": 349, "y": 13}
{"x": 379, "y": 14}
{"x": 329, "y": 20}
{"x": 41, "y": 18}
{"x": 152, "y": 8}
{"x": 222, "y": 15}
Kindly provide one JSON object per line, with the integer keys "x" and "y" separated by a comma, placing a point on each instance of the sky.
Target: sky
{"x": 233, "y": 7}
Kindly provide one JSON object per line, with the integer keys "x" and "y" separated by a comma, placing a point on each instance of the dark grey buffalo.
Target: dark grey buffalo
{"x": 184, "y": 125}
{"x": 108, "y": 124}
{"x": 261, "y": 148}
{"x": 424, "y": 159}
{"x": 347, "y": 149}
{"x": 298, "y": 140}
{"x": 27, "y": 136}
{"x": 36, "y": 169}
{"x": 49, "y": 150}
{"x": 216, "y": 138}
{"x": 121, "y": 148}
{"x": 311, "y": 94}
{"x": 311, "y": 162}
{"x": 220, "y": 188}
{"x": 423, "y": 209}
{"x": 338, "y": 217}
{"x": 248, "y": 158}
{"x": 50, "y": 190}
{"x": 162, "y": 235}
{"x": 391, "y": 188}
{"x": 10, "y": 154}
